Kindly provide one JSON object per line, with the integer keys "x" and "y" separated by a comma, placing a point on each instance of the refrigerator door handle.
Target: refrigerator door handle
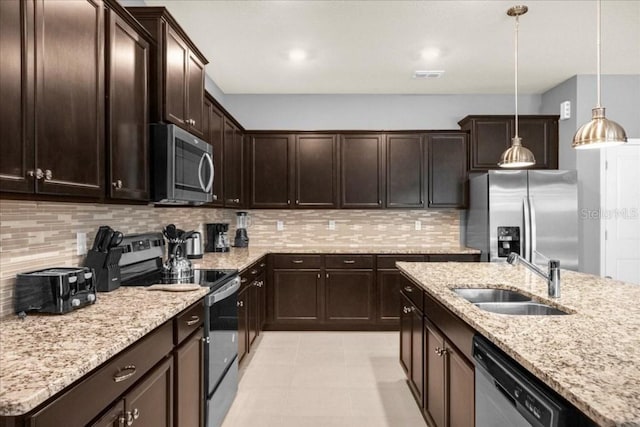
{"x": 527, "y": 229}
{"x": 533, "y": 245}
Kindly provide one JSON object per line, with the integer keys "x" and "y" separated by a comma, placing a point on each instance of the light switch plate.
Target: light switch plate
{"x": 418, "y": 225}
{"x": 81, "y": 243}
{"x": 565, "y": 110}
{"x": 332, "y": 224}
{"x": 279, "y": 225}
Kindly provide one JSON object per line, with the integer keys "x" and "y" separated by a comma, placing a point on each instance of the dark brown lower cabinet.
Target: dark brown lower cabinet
{"x": 113, "y": 418}
{"x": 243, "y": 298}
{"x": 411, "y": 356}
{"x": 252, "y": 313}
{"x": 349, "y": 296}
{"x": 189, "y": 376}
{"x": 461, "y": 394}
{"x": 296, "y": 296}
{"x": 435, "y": 375}
{"x": 389, "y": 284}
{"x": 261, "y": 308}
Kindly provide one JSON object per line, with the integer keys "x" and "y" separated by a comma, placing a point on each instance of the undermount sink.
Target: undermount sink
{"x": 503, "y": 301}
{"x": 476, "y": 295}
{"x": 520, "y": 308}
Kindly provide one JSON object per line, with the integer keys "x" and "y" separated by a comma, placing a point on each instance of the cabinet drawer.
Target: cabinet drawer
{"x": 412, "y": 291}
{"x": 100, "y": 389}
{"x": 187, "y": 322}
{"x": 255, "y": 270}
{"x": 453, "y": 258}
{"x": 389, "y": 261}
{"x": 349, "y": 261}
{"x": 297, "y": 261}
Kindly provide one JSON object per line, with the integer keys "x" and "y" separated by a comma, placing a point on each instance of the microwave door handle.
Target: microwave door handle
{"x": 200, "y": 173}
{"x": 213, "y": 171}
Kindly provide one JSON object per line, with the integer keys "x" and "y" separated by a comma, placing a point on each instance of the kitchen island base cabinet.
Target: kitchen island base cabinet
{"x": 189, "y": 384}
{"x": 411, "y": 346}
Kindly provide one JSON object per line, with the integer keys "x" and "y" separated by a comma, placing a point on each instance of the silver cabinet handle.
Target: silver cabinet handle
{"x": 215, "y": 197}
{"x": 348, "y": 261}
{"x": 37, "y": 174}
{"x": 327, "y": 275}
{"x": 193, "y": 320}
{"x": 405, "y": 310}
{"x": 379, "y": 202}
{"x": 136, "y": 413}
{"x": 48, "y": 175}
{"x": 288, "y": 202}
{"x": 263, "y": 265}
{"x": 124, "y": 373}
{"x": 297, "y": 261}
{"x": 117, "y": 184}
{"x": 408, "y": 289}
{"x": 297, "y": 202}
{"x": 243, "y": 280}
{"x": 233, "y": 200}
{"x": 126, "y": 419}
{"x": 318, "y": 275}
{"x": 254, "y": 272}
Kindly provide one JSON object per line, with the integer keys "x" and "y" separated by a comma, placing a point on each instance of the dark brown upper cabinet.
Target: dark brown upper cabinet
{"x": 447, "y": 169}
{"x": 362, "y": 170}
{"x": 233, "y": 159}
{"x": 177, "y": 71}
{"x": 214, "y": 135}
{"x": 491, "y": 135}
{"x": 270, "y": 163}
{"x": 127, "y": 47}
{"x": 53, "y": 116}
{"x": 315, "y": 171}
{"x": 405, "y": 171}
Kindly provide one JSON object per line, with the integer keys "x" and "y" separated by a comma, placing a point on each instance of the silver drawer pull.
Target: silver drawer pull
{"x": 263, "y": 265}
{"x": 408, "y": 289}
{"x": 136, "y": 413}
{"x": 193, "y": 320}
{"x": 297, "y": 261}
{"x": 243, "y": 280}
{"x": 349, "y": 261}
{"x": 124, "y": 373}
{"x": 254, "y": 272}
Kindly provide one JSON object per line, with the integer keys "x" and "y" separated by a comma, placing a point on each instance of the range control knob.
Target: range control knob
{"x": 75, "y": 302}
{"x": 91, "y": 297}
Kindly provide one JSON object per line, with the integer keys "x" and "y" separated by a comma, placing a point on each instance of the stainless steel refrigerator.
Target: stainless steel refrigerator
{"x": 532, "y": 213}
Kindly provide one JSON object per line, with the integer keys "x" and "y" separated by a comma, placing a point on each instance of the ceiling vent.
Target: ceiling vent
{"x": 428, "y": 74}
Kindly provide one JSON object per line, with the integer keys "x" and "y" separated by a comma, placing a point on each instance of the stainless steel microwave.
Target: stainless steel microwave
{"x": 182, "y": 166}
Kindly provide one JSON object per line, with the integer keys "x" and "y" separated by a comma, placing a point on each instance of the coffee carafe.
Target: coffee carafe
{"x": 242, "y": 222}
{"x": 217, "y": 237}
{"x": 177, "y": 268}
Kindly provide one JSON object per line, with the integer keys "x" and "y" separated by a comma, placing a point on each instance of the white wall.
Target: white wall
{"x": 368, "y": 112}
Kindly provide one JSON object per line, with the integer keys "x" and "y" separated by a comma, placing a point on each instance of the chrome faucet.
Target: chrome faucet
{"x": 552, "y": 277}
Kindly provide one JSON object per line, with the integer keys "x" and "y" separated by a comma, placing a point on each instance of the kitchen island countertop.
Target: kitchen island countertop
{"x": 590, "y": 357}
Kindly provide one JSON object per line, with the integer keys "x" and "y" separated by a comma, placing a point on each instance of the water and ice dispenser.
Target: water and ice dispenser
{"x": 508, "y": 241}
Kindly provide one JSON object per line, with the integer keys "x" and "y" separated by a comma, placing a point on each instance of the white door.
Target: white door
{"x": 621, "y": 213}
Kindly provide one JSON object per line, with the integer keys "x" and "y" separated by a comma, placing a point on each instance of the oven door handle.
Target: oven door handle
{"x": 202, "y": 186}
{"x": 223, "y": 293}
{"x": 210, "y": 183}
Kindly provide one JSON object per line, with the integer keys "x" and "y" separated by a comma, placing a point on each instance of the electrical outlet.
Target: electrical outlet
{"x": 279, "y": 225}
{"x": 418, "y": 225}
{"x": 332, "y": 224}
{"x": 565, "y": 110}
{"x": 81, "y": 243}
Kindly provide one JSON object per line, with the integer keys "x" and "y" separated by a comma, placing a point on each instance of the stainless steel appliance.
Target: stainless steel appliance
{"x": 217, "y": 237}
{"x": 194, "y": 246}
{"x": 531, "y": 213}
{"x": 177, "y": 268}
{"x": 242, "y": 223}
{"x": 141, "y": 265}
{"x": 183, "y": 169}
{"x": 55, "y": 290}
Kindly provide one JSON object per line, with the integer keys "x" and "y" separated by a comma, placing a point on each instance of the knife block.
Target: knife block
{"x": 107, "y": 270}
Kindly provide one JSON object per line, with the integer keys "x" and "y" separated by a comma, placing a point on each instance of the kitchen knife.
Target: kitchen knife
{"x": 100, "y": 234}
{"x": 115, "y": 240}
{"x": 104, "y": 243}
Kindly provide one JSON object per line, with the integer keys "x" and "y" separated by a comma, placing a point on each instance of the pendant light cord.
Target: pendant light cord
{"x": 598, "y": 52}
{"x": 516, "y": 66}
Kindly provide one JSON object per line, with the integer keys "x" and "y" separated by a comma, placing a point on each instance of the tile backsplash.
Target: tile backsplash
{"x": 35, "y": 235}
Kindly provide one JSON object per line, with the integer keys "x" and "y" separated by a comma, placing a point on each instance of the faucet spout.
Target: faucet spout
{"x": 552, "y": 276}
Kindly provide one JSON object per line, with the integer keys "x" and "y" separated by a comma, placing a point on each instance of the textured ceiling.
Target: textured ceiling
{"x": 375, "y": 46}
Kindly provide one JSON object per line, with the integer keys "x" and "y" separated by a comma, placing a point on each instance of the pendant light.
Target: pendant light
{"x": 599, "y": 132}
{"x": 517, "y": 156}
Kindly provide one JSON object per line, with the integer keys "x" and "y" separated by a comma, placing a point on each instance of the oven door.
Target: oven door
{"x": 221, "y": 350}
{"x": 193, "y": 168}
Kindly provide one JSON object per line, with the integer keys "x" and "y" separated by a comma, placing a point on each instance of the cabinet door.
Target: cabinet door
{"x": 417, "y": 352}
{"x": 176, "y": 59}
{"x": 447, "y": 161}
{"x": 70, "y": 97}
{"x": 270, "y": 163}
{"x": 243, "y": 323}
{"x": 115, "y": 417}
{"x": 388, "y": 301}
{"x": 16, "y": 92}
{"x": 406, "y": 325}
{"x": 349, "y": 296}
{"x": 316, "y": 171}
{"x": 405, "y": 171}
{"x": 215, "y": 132}
{"x": 540, "y": 135}
{"x": 127, "y": 114}
{"x": 460, "y": 389}
{"x": 434, "y": 377}
{"x": 489, "y": 138}
{"x": 189, "y": 366}
{"x": 252, "y": 313}
{"x": 151, "y": 401}
{"x": 233, "y": 161}
{"x": 362, "y": 171}
{"x": 195, "y": 95}
{"x": 296, "y": 296}
{"x": 261, "y": 283}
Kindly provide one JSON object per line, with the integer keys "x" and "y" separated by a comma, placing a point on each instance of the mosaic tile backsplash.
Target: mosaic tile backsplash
{"x": 35, "y": 235}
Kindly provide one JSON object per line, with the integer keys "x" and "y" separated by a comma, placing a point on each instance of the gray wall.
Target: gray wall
{"x": 211, "y": 87}
{"x": 368, "y": 112}
{"x": 551, "y": 100}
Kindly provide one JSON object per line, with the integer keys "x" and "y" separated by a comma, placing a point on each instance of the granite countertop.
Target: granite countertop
{"x": 241, "y": 258}
{"x": 43, "y": 354}
{"x": 591, "y": 357}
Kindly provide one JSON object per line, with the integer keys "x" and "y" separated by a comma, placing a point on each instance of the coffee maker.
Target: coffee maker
{"x": 242, "y": 222}
{"x": 217, "y": 238}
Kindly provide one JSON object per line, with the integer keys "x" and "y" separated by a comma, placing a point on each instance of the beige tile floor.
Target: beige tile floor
{"x": 324, "y": 379}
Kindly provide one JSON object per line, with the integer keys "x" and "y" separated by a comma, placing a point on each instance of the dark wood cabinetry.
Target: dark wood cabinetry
{"x": 405, "y": 171}
{"x": 189, "y": 381}
{"x": 270, "y": 162}
{"x": 349, "y": 289}
{"x": 251, "y": 305}
{"x": 362, "y": 170}
{"x": 233, "y": 159}
{"x": 389, "y": 283}
{"x": 177, "y": 71}
{"x": 411, "y": 344}
{"x": 491, "y": 135}
{"x": 296, "y": 296}
{"x": 315, "y": 171}
{"x": 243, "y": 323}
{"x": 447, "y": 170}
{"x": 127, "y": 64}
{"x": 53, "y": 114}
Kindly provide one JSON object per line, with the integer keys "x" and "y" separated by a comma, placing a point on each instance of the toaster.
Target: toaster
{"x": 56, "y": 290}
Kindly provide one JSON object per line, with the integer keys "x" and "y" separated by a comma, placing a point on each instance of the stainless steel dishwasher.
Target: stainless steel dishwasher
{"x": 508, "y": 396}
